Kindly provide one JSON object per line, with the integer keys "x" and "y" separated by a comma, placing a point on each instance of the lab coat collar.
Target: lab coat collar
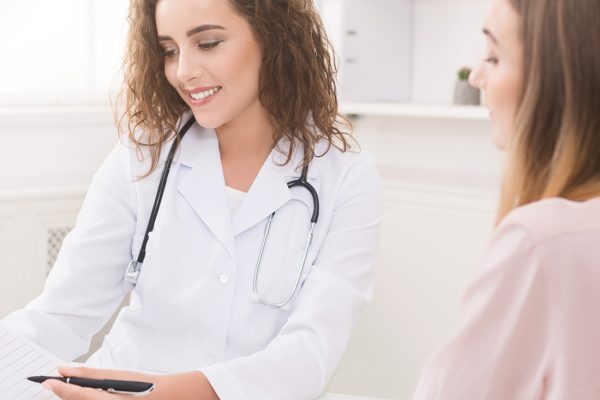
{"x": 188, "y": 153}
{"x": 269, "y": 191}
{"x": 204, "y": 185}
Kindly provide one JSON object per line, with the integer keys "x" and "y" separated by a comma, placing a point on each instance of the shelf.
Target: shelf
{"x": 408, "y": 110}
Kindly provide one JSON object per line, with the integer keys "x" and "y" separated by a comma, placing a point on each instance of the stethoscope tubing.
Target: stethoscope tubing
{"x": 301, "y": 182}
{"x": 285, "y": 301}
{"x": 133, "y": 269}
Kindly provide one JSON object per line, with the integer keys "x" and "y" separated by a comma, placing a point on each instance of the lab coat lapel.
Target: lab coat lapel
{"x": 267, "y": 194}
{"x": 204, "y": 186}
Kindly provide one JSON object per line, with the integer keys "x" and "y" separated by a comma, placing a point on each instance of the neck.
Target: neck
{"x": 244, "y": 144}
{"x": 247, "y": 137}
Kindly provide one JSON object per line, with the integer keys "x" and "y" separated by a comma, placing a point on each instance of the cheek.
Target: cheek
{"x": 242, "y": 68}
{"x": 171, "y": 73}
{"x": 503, "y": 93}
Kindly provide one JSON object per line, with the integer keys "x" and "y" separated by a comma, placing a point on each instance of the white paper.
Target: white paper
{"x": 19, "y": 358}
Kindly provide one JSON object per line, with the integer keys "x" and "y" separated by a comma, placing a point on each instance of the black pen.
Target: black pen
{"x": 112, "y": 386}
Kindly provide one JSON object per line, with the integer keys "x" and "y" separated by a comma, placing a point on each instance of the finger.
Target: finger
{"x": 73, "y": 392}
{"x": 92, "y": 373}
{"x": 95, "y": 373}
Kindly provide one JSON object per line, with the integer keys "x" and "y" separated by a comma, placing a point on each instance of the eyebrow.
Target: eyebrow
{"x": 490, "y": 35}
{"x": 193, "y": 31}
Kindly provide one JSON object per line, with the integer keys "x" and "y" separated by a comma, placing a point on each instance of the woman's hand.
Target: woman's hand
{"x": 188, "y": 385}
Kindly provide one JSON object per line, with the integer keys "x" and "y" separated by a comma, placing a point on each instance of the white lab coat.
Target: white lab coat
{"x": 192, "y": 308}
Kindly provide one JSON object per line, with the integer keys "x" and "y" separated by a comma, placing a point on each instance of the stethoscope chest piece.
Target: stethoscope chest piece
{"x": 132, "y": 273}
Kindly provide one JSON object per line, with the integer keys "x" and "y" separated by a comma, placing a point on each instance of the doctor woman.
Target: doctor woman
{"x": 213, "y": 321}
{"x": 531, "y": 326}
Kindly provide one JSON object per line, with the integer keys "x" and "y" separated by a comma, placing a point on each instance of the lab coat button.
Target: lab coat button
{"x": 223, "y": 279}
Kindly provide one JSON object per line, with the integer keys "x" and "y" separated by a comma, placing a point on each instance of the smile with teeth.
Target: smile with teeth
{"x": 207, "y": 93}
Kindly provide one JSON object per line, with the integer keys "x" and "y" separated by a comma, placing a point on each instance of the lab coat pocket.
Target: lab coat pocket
{"x": 123, "y": 351}
{"x": 110, "y": 353}
{"x": 282, "y": 272}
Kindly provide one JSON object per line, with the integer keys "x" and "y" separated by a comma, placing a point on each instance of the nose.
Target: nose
{"x": 188, "y": 68}
{"x": 476, "y": 77}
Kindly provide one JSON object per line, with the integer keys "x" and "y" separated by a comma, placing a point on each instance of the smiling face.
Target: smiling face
{"x": 211, "y": 58}
{"x": 500, "y": 74}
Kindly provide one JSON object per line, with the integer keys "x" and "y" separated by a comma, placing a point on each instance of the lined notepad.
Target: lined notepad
{"x": 19, "y": 358}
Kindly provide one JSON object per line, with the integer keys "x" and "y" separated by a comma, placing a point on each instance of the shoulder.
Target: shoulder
{"x": 126, "y": 153}
{"x": 349, "y": 183}
{"x": 349, "y": 166}
{"x": 127, "y": 163}
{"x": 138, "y": 151}
{"x": 554, "y": 238}
{"x": 555, "y": 218}
{"x": 138, "y": 146}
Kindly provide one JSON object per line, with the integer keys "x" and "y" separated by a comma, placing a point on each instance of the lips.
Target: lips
{"x": 203, "y": 93}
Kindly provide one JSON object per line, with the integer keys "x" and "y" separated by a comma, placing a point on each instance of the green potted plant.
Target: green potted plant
{"x": 464, "y": 93}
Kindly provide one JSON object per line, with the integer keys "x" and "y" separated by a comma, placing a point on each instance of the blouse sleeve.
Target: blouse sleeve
{"x": 502, "y": 344}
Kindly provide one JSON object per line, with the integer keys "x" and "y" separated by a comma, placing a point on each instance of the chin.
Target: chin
{"x": 499, "y": 139}
{"x": 207, "y": 121}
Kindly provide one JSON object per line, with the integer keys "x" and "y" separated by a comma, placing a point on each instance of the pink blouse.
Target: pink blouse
{"x": 531, "y": 323}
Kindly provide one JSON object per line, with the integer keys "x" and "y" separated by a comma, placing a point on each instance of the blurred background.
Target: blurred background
{"x": 401, "y": 84}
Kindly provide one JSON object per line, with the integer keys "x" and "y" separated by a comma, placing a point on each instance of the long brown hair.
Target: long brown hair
{"x": 555, "y": 151}
{"x": 296, "y": 80}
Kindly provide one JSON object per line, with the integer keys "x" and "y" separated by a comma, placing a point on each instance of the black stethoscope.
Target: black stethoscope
{"x": 133, "y": 269}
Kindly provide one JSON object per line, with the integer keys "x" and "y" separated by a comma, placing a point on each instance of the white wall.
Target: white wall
{"x": 447, "y": 36}
{"x": 53, "y": 147}
{"x": 440, "y": 180}
{"x": 60, "y": 51}
{"x": 60, "y": 63}
{"x": 46, "y": 163}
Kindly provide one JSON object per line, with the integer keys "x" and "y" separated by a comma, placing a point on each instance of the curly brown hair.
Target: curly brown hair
{"x": 297, "y": 83}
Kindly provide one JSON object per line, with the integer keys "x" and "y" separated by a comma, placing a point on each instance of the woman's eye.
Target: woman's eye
{"x": 491, "y": 60}
{"x": 169, "y": 53}
{"x": 209, "y": 45}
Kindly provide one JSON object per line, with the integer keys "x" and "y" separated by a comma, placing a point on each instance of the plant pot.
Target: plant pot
{"x": 466, "y": 95}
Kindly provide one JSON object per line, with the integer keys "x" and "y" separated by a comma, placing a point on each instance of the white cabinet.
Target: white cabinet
{"x": 445, "y": 35}
{"x": 374, "y": 45}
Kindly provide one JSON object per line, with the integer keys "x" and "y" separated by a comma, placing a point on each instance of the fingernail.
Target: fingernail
{"x": 47, "y": 385}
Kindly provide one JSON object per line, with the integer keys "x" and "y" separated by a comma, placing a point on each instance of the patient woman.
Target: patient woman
{"x": 531, "y": 327}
